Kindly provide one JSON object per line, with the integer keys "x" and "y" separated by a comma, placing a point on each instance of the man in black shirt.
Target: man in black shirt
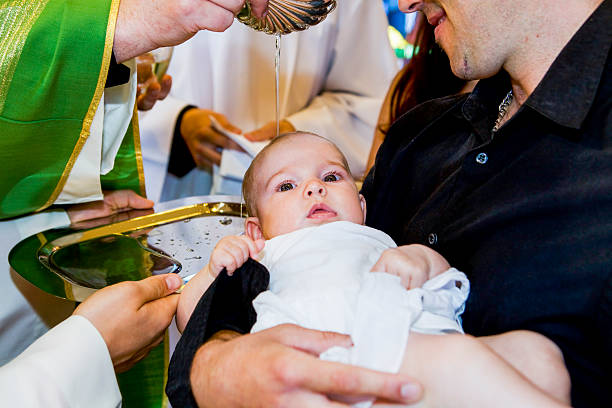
{"x": 512, "y": 184}
{"x": 517, "y": 196}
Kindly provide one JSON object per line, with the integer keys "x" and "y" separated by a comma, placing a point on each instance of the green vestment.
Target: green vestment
{"x": 54, "y": 58}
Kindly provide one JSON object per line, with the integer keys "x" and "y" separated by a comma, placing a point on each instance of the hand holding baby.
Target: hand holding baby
{"x": 414, "y": 264}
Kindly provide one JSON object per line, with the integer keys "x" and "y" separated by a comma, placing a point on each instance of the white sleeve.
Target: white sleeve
{"x": 34, "y": 223}
{"x": 67, "y": 367}
{"x": 156, "y": 130}
{"x": 361, "y": 70}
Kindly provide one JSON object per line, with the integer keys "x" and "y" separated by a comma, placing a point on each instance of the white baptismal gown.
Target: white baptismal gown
{"x": 320, "y": 279}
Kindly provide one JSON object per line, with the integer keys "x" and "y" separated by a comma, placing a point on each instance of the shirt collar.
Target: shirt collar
{"x": 568, "y": 89}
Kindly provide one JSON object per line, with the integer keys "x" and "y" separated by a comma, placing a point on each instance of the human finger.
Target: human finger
{"x": 227, "y": 124}
{"x": 232, "y": 5}
{"x": 166, "y": 85}
{"x": 254, "y": 247}
{"x": 234, "y": 257}
{"x": 217, "y": 139}
{"x": 214, "y": 17}
{"x": 243, "y": 245}
{"x": 265, "y": 132}
{"x": 126, "y": 199}
{"x": 393, "y": 263}
{"x": 225, "y": 258}
{"x": 208, "y": 153}
{"x": 156, "y": 287}
{"x": 350, "y": 381}
{"x": 313, "y": 342}
{"x": 259, "y": 7}
{"x": 147, "y": 100}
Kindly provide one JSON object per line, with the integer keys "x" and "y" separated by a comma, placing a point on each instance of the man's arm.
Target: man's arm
{"x": 143, "y": 25}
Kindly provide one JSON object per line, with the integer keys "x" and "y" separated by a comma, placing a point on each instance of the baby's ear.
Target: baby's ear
{"x": 252, "y": 228}
{"x": 363, "y": 206}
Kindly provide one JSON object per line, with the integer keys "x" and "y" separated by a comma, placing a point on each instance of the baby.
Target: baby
{"x": 330, "y": 272}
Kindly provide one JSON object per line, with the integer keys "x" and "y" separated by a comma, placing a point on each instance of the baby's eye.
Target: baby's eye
{"x": 286, "y": 186}
{"x": 329, "y": 178}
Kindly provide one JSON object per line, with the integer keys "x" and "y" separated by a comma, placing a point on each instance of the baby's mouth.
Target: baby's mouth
{"x": 321, "y": 211}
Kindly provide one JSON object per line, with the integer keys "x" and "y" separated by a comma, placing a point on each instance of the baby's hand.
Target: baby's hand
{"x": 231, "y": 252}
{"x": 414, "y": 264}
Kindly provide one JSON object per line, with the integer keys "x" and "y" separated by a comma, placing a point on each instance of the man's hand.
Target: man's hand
{"x": 144, "y": 25}
{"x": 414, "y": 264}
{"x": 114, "y": 202}
{"x": 204, "y": 142}
{"x": 279, "y": 367}
{"x": 268, "y": 131}
{"x": 132, "y": 316}
{"x": 152, "y": 91}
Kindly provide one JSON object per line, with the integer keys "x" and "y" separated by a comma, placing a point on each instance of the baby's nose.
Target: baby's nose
{"x": 315, "y": 188}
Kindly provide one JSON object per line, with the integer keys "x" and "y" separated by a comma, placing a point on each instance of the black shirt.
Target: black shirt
{"x": 527, "y": 215}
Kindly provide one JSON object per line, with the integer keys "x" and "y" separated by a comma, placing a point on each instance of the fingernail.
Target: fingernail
{"x": 173, "y": 282}
{"x": 410, "y": 391}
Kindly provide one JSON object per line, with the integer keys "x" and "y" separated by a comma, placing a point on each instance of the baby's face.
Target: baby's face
{"x": 302, "y": 182}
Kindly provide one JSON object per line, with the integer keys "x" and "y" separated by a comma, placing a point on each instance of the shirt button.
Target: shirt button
{"x": 482, "y": 158}
{"x": 432, "y": 239}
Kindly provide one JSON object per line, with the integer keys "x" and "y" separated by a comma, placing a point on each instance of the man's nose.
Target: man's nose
{"x": 315, "y": 188}
{"x": 409, "y": 6}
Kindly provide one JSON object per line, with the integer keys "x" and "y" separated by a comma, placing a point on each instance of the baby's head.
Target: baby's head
{"x": 299, "y": 180}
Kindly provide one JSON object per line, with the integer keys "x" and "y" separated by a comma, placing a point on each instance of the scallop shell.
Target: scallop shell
{"x": 286, "y": 16}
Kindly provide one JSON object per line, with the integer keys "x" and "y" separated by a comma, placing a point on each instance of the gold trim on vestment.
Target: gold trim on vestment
{"x": 93, "y": 107}
{"x": 138, "y": 151}
{"x": 17, "y": 17}
{"x": 166, "y": 364}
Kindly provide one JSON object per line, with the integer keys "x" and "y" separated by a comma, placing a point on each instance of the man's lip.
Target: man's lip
{"x": 318, "y": 210}
{"x": 434, "y": 19}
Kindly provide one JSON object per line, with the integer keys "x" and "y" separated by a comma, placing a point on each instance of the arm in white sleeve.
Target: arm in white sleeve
{"x": 363, "y": 66}
{"x": 68, "y": 367}
{"x": 156, "y": 130}
{"x": 35, "y": 223}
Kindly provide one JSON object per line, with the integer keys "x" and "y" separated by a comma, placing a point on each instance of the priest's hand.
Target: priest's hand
{"x": 114, "y": 202}
{"x": 143, "y": 25}
{"x": 132, "y": 316}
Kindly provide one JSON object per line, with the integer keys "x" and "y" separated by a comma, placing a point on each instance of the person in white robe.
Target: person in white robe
{"x": 333, "y": 77}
